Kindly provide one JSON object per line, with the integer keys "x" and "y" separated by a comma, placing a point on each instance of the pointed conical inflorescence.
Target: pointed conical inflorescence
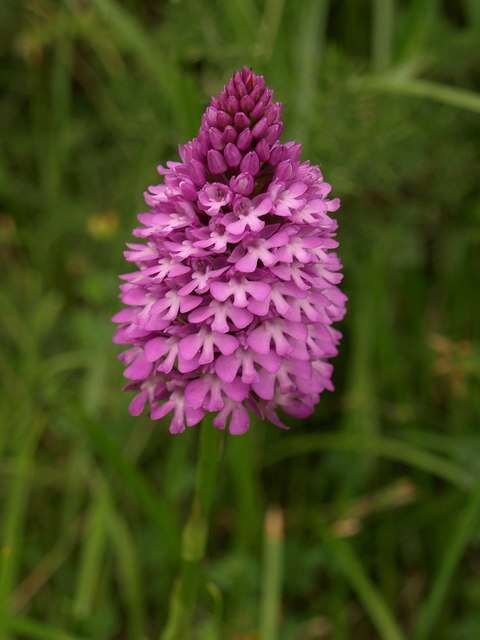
{"x": 231, "y": 307}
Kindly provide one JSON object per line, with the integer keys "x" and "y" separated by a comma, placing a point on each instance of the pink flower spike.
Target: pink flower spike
{"x": 234, "y": 290}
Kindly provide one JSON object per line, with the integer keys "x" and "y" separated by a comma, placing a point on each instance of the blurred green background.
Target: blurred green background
{"x": 374, "y": 503}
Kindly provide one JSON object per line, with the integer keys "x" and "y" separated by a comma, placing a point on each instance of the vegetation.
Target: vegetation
{"x": 372, "y": 505}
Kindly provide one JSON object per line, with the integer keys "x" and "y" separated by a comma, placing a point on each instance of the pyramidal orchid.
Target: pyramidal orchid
{"x": 231, "y": 306}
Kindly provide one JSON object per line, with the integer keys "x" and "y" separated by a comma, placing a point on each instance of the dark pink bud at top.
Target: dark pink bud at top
{"x": 273, "y": 133}
{"x": 273, "y": 113}
{"x": 216, "y": 163}
{"x": 260, "y": 128}
{"x": 232, "y": 155}
{"x": 244, "y": 140}
{"x": 241, "y": 120}
{"x": 247, "y": 104}
{"x": 250, "y": 163}
{"x": 258, "y": 110}
{"x": 211, "y": 114}
{"x": 262, "y": 104}
{"x": 230, "y": 134}
{"x": 229, "y": 89}
{"x": 263, "y": 150}
{"x": 277, "y": 154}
{"x": 223, "y": 119}
{"x": 232, "y": 104}
{"x": 216, "y": 138}
{"x": 257, "y": 91}
{"x": 203, "y": 143}
{"x": 238, "y": 84}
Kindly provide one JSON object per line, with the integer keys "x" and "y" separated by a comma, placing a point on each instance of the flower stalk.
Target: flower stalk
{"x": 195, "y": 534}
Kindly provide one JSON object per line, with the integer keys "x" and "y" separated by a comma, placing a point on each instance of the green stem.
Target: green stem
{"x": 13, "y": 523}
{"x": 194, "y": 540}
{"x": 272, "y": 576}
{"x": 383, "y": 24}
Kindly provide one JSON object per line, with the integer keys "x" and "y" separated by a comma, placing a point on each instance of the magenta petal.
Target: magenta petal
{"x": 125, "y": 315}
{"x": 259, "y": 340}
{"x": 264, "y": 207}
{"x": 161, "y": 410}
{"x": 186, "y": 365}
{"x": 297, "y": 189}
{"x": 237, "y": 227}
{"x": 155, "y": 348}
{"x": 188, "y": 288}
{"x": 247, "y": 264}
{"x": 190, "y": 346}
{"x": 196, "y": 391}
{"x": 137, "y": 405}
{"x": 190, "y": 302}
{"x": 259, "y": 290}
{"x": 225, "y": 342}
{"x": 269, "y": 361}
{"x": 265, "y": 386}
{"x": 200, "y": 314}
{"x": 239, "y": 421}
{"x": 220, "y": 291}
{"x": 236, "y": 390}
{"x": 139, "y": 369}
{"x": 240, "y": 317}
{"x": 259, "y": 307}
{"x": 134, "y": 296}
{"x": 193, "y": 416}
{"x": 227, "y": 367}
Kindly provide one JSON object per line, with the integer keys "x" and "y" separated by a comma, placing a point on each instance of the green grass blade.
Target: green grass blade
{"x": 213, "y": 626}
{"x": 272, "y": 575}
{"x": 154, "y": 507}
{"x": 91, "y": 562}
{"x": 473, "y": 11}
{"x": 422, "y": 17}
{"x": 382, "y": 34}
{"x": 466, "y": 527}
{"x": 47, "y": 567}
{"x": 242, "y": 18}
{"x": 243, "y": 465}
{"x": 372, "y": 600}
{"x": 12, "y": 520}
{"x": 268, "y": 29}
{"x": 161, "y": 68}
{"x": 378, "y": 445}
{"x": 452, "y": 96}
{"x": 128, "y": 569}
{"x": 29, "y": 628}
{"x": 309, "y": 48}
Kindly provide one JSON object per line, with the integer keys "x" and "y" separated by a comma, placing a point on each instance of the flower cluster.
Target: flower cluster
{"x": 232, "y": 304}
